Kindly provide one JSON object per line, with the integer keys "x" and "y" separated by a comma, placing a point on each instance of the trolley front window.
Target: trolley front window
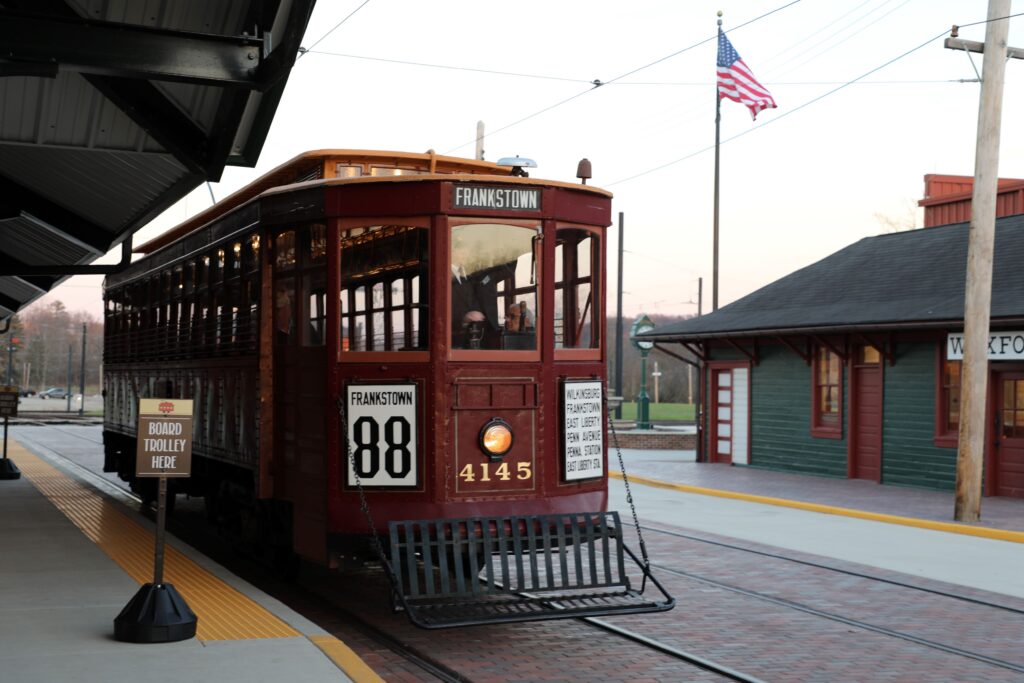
{"x": 494, "y": 285}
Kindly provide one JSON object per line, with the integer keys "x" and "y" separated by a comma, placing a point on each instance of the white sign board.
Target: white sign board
{"x": 381, "y": 434}
{"x": 1001, "y": 346}
{"x": 583, "y": 429}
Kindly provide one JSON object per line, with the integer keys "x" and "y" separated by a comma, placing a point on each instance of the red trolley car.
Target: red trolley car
{"x": 445, "y": 314}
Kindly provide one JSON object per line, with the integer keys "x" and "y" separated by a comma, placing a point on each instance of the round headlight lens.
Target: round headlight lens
{"x": 496, "y": 438}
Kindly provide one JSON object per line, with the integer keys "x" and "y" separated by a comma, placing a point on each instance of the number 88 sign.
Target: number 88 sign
{"x": 381, "y": 434}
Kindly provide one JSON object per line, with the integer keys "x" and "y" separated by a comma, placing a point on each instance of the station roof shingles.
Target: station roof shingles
{"x": 112, "y": 110}
{"x": 912, "y": 279}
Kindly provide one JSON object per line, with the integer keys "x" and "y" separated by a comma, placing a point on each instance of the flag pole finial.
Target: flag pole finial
{"x": 719, "y": 18}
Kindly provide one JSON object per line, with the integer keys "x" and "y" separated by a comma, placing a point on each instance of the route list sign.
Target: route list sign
{"x": 583, "y": 442}
{"x": 164, "y": 438}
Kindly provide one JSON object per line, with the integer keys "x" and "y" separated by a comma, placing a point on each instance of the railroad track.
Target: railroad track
{"x": 832, "y": 616}
{"x": 838, "y": 570}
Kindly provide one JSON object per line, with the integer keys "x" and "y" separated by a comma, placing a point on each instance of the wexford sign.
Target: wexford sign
{"x": 165, "y": 438}
{"x": 1001, "y": 346}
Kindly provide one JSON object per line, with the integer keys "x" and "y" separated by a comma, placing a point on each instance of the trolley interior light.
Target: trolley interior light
{"x": 496, "y": 438}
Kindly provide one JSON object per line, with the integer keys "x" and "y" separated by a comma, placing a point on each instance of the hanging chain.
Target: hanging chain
{"x": 362, "y": 498}
{"x": 629, "y": 497}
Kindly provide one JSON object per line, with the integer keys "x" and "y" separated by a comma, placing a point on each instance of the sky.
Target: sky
{"x": 829, "y": 166}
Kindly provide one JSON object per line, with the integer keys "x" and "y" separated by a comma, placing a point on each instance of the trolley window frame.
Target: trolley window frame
{"x": 543, "y": 228}
{"x": 340, "y": 225}
{"x": 597, "y": 287}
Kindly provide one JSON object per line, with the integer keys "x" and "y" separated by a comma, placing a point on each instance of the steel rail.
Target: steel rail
{"x": 782, "y": 602}
{"x": 848, "y": 572}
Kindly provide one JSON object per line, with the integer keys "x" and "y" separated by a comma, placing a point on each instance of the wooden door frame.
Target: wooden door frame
{"x": 712, "y": 403}
{"x": 853, "y": 415}
{"x": 992, "y": 404}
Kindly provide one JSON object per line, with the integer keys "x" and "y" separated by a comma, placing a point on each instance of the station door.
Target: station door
{"x": 730, "y": 415}
{"x": 1008, "y": 469}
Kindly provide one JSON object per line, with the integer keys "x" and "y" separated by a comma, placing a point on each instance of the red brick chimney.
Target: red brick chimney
{"x": 947, "y": 198}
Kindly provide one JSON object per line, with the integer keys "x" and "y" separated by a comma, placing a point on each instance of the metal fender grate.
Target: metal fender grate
{"x": 487, "y": 570}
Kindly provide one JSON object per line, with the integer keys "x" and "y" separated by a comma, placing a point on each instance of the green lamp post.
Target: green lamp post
{"x": 644, "y": 346}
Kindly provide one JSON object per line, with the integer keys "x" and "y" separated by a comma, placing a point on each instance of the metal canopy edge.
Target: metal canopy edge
{"x": 115, "y": 113}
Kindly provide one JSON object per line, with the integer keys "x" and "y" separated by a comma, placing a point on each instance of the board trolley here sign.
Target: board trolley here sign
{"x": 164, "y": 438}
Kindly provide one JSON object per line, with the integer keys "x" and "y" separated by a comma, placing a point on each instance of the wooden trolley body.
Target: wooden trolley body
{"x": 326, "y": 289}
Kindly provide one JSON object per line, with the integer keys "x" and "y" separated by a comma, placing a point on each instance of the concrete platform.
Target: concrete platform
{"x": 60, "y": 591}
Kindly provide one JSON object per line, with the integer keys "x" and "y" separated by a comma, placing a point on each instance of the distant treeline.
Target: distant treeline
{"x": 44, "y": 335}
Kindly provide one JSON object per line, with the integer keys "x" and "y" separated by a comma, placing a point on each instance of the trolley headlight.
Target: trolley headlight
{"x": 496, "y": 438}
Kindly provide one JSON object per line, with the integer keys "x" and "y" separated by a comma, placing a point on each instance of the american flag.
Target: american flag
{"x": 737, "y": 82}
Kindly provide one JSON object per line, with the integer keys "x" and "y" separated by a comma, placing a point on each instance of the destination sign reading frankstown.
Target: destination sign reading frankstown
{"x": 496, "y": 198}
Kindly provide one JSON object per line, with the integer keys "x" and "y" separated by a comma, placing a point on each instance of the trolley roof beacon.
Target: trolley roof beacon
{"x": 393, "y": 349}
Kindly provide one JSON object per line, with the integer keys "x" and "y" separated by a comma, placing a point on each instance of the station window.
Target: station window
{"x": 576, "y": 289}
{"x": 947, "y": 399}
{"x": 494, "y": 285}
{"x": 384, "y": 270}
{"x": 827, "y": 409}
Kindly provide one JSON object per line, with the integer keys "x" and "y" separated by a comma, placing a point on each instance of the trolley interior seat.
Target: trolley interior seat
{"x": 489, "y": 570}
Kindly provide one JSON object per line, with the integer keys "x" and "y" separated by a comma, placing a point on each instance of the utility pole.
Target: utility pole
{"x": 479, "y": 140}
{"x": 700, "y": 297}
{"x": 656, "y": 375}
{"x": 68, "y": 397}
{"x": 618, "y": 323}
{"x": 81, "y": 406}
{"x": 980, "y": 247}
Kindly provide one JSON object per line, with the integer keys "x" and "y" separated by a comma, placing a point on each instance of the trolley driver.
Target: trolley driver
{"x": 475, "y": 322}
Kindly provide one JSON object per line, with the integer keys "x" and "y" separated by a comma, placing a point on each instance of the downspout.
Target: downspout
{"x": 66, "y": 269}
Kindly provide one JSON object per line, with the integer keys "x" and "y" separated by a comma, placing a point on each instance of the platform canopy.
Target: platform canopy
{"x": 112, "y": 110}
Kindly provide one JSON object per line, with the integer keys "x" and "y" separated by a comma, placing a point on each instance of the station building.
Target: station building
{"x": 850, "y": 367}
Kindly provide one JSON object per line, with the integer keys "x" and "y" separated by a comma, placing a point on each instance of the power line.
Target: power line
{"x": 516, "y": 74}
{"x": 303, "y": 51}
{"x": 783, "y": 115}
{"x": 598, "y": 83}
{"x": 450, "y": 67}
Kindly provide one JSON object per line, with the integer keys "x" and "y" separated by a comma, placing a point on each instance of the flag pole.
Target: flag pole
{"x": 718, "y": 122}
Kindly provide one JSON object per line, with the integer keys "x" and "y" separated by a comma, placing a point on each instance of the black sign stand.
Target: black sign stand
{"x": 8, "y": 470}
{"x": 157, "y": 613}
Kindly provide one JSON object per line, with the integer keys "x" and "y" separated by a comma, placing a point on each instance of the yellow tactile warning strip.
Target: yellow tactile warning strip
{"x": 965, "y": 529}
{"x": 224, "y": 613}
{"x": 345, "y": 659}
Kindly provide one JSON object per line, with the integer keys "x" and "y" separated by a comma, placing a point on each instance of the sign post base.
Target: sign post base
{"x": 8, "y": 470}
{"x": 156, "y": 614}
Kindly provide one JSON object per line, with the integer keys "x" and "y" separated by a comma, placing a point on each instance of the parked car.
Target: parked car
{"x": 54, "y": 392}
{"x": 22, "y": 391}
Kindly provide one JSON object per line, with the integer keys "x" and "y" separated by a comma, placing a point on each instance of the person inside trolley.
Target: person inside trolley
{"x": 475, "y": 322}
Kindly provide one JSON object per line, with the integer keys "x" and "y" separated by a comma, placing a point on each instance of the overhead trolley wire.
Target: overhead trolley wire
{"x": 598, "y": 83}
{"x": 304, "y": 50}
{"x": 809, "y": 102}
{"x": 450, "y": 67}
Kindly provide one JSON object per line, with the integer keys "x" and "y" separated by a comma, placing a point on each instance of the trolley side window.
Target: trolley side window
{"x": 577, "y": 292}
{"x": 300, "y": 289}
{"x": 494, "y": 286}
{"x": 384, "y": 275}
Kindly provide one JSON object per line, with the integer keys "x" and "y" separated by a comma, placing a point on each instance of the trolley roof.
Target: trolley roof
{"x": 320, "y": 167}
